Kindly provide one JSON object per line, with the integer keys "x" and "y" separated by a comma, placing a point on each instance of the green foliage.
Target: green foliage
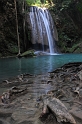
{"x": 65, "y": 4}
{"x": 43, "y": 1}
{"x": 13, "y": 48}
{"x": 74, "y": 47}
{"x": 29, "y": 2}
{"x": 33, "y": 2}
{"x": 64, "y": 37}
{"x": 40, "y": 3}
{"x": 80, "y": 6}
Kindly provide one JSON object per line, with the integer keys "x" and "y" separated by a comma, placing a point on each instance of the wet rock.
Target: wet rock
{"x": 7, "y": 82}
{"x": 51, "y": 75}
{"x": 59, "y": 110}
{"x": 26, "y": 122}
{"x": 60, "y": 93}
{"x": 80, "y": 75}
{"x": 5, "y": 97}
{"x": 5, "y": 113}
{"x": 49, "y": 81}
{"x": 12, "y": 93}
{"x": 3, "y": 122}
{"x": 76, "y": 90}
{"x": 22, "y": 115}
{"x": 76, "y": 112}
{"x": 80, "y": 92}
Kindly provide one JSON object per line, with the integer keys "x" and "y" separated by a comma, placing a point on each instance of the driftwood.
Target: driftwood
{"x": 14, "y": 92}
{"x": 58, "y": 109}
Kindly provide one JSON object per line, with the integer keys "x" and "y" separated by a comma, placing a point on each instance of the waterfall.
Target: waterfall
{"x": 43, "y": 29}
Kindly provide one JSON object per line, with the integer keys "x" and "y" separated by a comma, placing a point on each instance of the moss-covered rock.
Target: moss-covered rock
{"x": 29, "y": 53}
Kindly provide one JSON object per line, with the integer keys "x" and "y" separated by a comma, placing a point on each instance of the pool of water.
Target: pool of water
{"x": 10, "y": 67}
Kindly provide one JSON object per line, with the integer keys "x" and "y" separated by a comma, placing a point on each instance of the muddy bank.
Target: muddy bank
{"x": 25, "y": 96}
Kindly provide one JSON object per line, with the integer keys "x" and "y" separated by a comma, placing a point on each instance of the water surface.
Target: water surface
{"x": 10, "y": 67}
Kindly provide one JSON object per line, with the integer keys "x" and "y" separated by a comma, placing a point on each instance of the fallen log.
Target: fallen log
{"x": 59, "y": 110}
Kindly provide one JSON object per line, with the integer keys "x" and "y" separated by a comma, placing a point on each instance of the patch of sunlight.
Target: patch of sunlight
{"x": 39, "y": 4}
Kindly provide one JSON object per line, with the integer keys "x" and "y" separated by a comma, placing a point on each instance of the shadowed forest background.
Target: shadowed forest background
{"x": 67, "y": 15}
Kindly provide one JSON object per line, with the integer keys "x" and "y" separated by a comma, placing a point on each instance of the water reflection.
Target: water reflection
{"x": 10, "y": 67}
{"x": 19, "y": 64}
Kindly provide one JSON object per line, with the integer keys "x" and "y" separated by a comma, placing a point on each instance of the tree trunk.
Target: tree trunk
{"x": 17, "y": 28}
{"x": 24, "y": 18}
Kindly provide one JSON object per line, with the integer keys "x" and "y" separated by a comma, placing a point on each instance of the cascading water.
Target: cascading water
{"x": 43, "y": 30}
